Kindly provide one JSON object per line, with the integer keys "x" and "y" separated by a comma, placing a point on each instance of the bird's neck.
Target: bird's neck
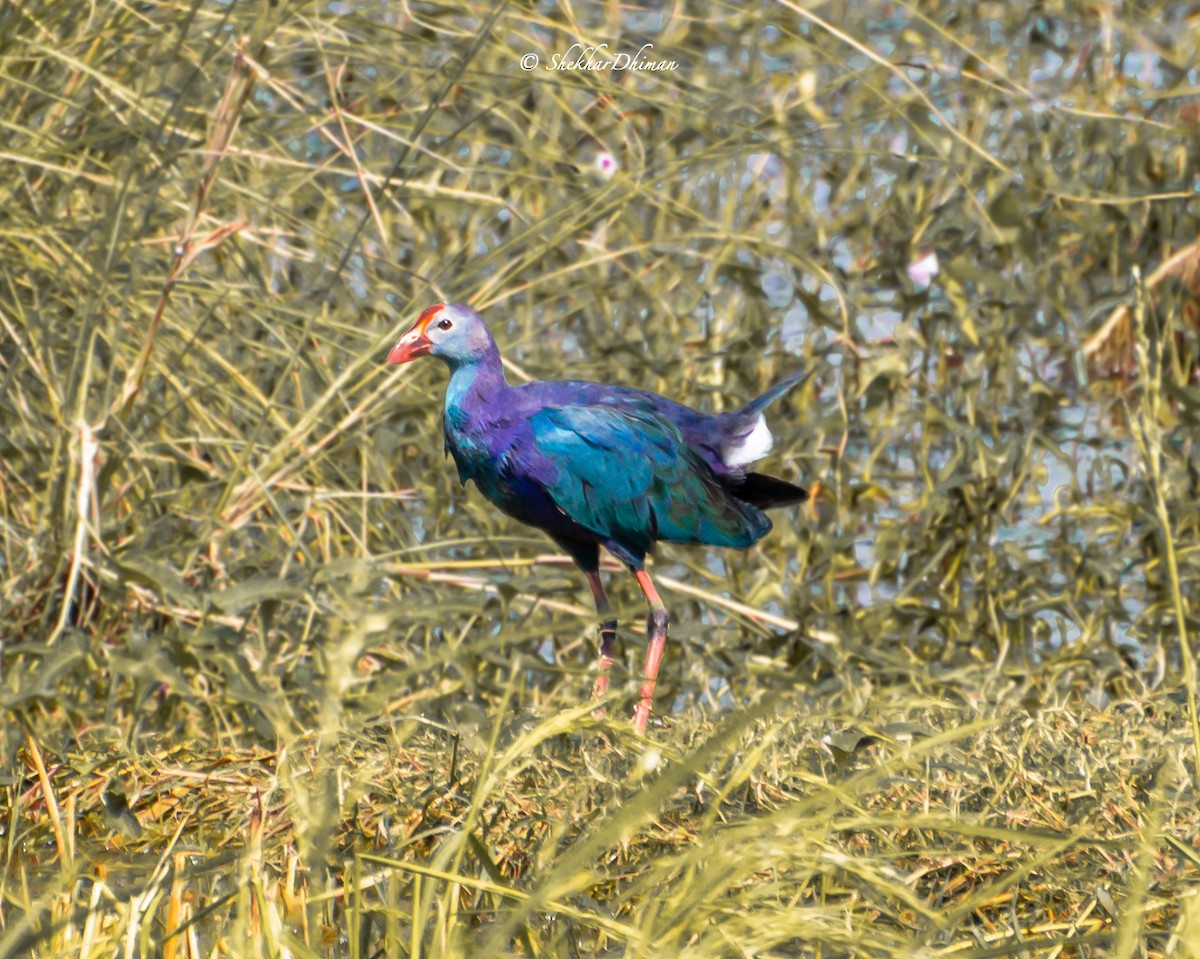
{"x": 475, "y": 385}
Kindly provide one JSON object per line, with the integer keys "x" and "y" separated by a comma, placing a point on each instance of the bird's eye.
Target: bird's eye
{"x": 445, "y": 325}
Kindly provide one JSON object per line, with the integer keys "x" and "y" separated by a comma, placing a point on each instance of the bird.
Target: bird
{"x": 597, "y": 465}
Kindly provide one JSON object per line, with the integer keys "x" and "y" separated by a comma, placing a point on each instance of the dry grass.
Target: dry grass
{"x": 939, "y": 818}
{"x": 272, "y": 683}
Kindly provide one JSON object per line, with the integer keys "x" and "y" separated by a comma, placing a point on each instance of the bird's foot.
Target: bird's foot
{"x": 641, "y": 715}
{"x": 600, "y": 686}
{"x": 608, "y": 639}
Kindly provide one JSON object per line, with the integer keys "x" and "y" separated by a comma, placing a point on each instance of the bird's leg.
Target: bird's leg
{"x": 656, "y": 633}
{"x": 608, "y": 635}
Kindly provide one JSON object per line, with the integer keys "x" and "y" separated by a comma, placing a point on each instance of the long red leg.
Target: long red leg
{"x": 608, "y": 636}
{"x": 656, "y": 633}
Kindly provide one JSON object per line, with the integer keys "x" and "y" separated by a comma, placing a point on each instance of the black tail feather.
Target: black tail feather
{"x": 767, "y": 492}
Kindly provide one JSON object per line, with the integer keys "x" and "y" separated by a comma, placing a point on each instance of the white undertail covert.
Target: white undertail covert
{"x": 753, "y": 446}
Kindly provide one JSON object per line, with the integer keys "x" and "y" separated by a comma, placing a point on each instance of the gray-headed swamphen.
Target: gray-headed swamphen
{"x": 596, "y": 465}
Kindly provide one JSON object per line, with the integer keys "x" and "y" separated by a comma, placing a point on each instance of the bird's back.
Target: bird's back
{"x": 712, "y": 436}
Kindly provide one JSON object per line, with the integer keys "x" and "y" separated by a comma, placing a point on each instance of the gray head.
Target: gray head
{"x": 454, "y": 332}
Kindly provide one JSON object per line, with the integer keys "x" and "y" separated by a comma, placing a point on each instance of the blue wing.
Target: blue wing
{"x": 628, "y": 476}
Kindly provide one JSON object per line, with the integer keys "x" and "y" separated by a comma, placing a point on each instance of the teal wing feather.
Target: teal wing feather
{"x": 628, "y": 476}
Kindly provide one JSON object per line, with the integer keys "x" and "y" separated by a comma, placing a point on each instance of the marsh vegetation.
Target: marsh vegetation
{"x": 273, "y": 683}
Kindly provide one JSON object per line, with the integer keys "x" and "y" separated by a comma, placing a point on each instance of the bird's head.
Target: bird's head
{"x": 454, "y": 332}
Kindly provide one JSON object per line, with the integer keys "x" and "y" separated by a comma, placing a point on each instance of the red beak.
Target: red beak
{"x": 412, "y": 344}
{"x": 415, "y": 343}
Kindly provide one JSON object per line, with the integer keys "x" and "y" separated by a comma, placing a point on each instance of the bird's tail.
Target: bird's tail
{"x": 768, "y": 492}
{"x": 784, "y": 386}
